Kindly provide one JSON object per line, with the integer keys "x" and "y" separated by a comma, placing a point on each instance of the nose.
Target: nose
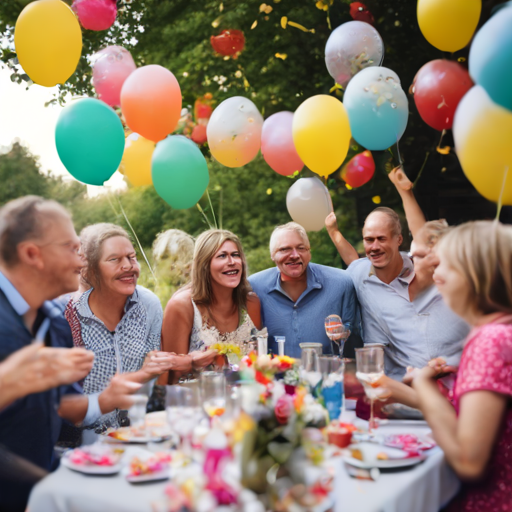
{"x": 294, "y": 253}
{"x": 126, "y": 263}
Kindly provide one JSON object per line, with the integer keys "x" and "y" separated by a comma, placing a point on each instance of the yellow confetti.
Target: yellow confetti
{"x": 246, "y": 83}
{"x": 267, "y": 9}
{"x": 348, "y": 187}
{"x": 281, "y": 56}
{"x": 216, "y": 22}
{"x": 443, "y": 169}
{"x": 443, "y": 151}
{"x": 255, "y": 24}
{"x": 284, "y": 22}
{"x": 376, "y": 199}
{"x": 335, "y": 87}
{"x": 269, "y": 191}
{"x": 462, "y": 59}
{"x": 324, "y": 5}
{"x": 301, "y": 27}
{"x": 221, "y": 7}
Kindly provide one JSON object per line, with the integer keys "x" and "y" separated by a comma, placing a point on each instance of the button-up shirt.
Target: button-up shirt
{"x": 413, "y": 332}
{"x": 329, "y": 291}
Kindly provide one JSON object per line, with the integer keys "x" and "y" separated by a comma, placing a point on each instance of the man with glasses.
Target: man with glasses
{"x": 297, "y": 295}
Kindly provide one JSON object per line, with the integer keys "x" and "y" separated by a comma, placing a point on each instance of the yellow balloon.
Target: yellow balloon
{"x": 448, "y": 25}
{"x": 136, "y": 162}
{"x": 321, "y": 133}
{"x": 483, "y": 131}
{"x": 48, "y": 41}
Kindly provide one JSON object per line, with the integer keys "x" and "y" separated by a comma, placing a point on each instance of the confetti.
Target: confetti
{"x": 255, "y": 24}
{"x": 281, "y": 56}
{"x": 376, "y": 199}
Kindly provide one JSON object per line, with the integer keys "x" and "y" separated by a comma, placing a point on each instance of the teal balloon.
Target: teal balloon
{"x": 377, "y": 108}
{"x": 179, "y": 172}
{"x": 90, "y": 140}
{"x": 490, "y": 57}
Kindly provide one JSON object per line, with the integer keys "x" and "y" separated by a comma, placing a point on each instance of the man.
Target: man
{"x": 38, "y": 262}
{"x": 296, "y": 296}
{"x": 404, "y": 314}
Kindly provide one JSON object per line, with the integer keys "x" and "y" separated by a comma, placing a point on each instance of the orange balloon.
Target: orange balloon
{"x": 151, "y": 102}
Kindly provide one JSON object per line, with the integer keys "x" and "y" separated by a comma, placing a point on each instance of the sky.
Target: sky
{"x": 23, "y": 116}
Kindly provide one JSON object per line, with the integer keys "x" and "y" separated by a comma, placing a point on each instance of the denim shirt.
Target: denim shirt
{"x": 329, "y": 291}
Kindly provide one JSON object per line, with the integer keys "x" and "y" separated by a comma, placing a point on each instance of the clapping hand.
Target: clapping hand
{"x": 399, "y": 179}
{"x": 436, "y": 368}
{"x": 203, "y": 359}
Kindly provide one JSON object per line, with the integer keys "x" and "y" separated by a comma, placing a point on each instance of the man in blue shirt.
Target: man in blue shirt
{"x": 296, "y": 296}
{"x": 39, "y": 261}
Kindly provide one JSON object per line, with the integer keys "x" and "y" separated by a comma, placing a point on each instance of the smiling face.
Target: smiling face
{"x": 381, "y": 245}
{"x": 118, "y": 266}
{"x": 226, "y": 265}
{"x": 292, "y": 254}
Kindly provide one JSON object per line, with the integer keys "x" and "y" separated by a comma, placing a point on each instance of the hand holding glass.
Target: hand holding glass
{"x": 336, "y": 331}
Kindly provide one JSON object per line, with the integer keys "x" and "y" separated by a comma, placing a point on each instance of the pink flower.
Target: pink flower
{"x": 283, "y": 409}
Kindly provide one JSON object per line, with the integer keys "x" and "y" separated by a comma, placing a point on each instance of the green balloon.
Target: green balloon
{"x": 90, "y": 140}
{"x": 179, "y": 172}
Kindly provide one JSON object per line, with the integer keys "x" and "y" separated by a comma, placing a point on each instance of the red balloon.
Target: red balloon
{"x": 360, "y": 12}
{"x": 95, "y": 14}
{"x": 199, "y": 134}
{"x": 359, "y": 170}
{"x": 228, "y": 43}
{"x": 438, "y": 88}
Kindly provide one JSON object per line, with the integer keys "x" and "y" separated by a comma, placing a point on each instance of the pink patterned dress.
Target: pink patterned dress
{"x": 486, "y": 364}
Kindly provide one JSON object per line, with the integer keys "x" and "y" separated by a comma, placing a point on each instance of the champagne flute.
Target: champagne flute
{"x": 370, "y": 368}
{"x": 213, "y": 391}
{"x": 336, "y": 331}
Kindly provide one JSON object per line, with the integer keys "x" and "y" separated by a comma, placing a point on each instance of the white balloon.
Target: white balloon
{"x": 309, "y": 202}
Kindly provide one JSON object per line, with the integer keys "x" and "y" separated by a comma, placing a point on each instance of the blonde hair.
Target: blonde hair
{"x": 482, "y": 252}
{"x": 207, "y": 244}
{"x": 432, "y": 231}
{"x": 290, "y": 226}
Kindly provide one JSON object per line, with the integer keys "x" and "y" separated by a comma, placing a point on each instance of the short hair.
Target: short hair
{"x": 92, "y": 239}
{"x": 25, "y": 218}
{"x": 482, "y": 252}
{"x": 290, "y": 226}
{"x": 431, "y": 232}
{"x": 393, "y": 217}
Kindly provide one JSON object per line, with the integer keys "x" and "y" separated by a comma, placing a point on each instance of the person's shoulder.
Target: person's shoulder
{"x": 494, "y": 335}
{"x": 253, "y": 299}
{"x": 359, "y": 267}
{"x": 148, "y": 297}
{"x": 181, "y": 301}
{"x": 263, "y": 277}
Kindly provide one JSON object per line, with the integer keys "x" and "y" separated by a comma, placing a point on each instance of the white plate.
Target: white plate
{"x": 153, "y": 477}
{"x": 397, "y": 458}
{"x": 90, "y": 469}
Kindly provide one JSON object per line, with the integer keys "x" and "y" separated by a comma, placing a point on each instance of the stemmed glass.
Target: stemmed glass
{"x": 213, "y": 392}
{"x": 336, "y": 331}
{"x": 369, "y": 369}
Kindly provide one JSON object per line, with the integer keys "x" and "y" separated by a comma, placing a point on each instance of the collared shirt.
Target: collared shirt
{"x": 329, "y": 291}
{"x": 413, "y": 332}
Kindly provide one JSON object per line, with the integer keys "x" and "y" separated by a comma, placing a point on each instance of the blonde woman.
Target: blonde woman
{"x": 475, "y": 279}
{"x": 218, "y": 305}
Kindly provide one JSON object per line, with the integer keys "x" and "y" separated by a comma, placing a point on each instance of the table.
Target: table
{"x": 423, "y": 488}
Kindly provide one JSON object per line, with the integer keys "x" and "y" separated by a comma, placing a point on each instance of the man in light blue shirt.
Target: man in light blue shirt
{"x": 296, "y": 296}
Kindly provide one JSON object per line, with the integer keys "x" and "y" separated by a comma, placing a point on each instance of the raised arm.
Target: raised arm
{"x": 347, "y": 252}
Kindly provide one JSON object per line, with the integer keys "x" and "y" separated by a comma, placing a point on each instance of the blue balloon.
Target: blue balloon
{"x": 377, "y": 108}
{"x": 490, "y": 57}
{"x": 90, "y": 140}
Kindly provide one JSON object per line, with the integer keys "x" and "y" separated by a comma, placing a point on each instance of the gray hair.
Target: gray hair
{"x": 290, "y": 226}
{"x": 25, "y": 218}
{"x": 393, "y": 218}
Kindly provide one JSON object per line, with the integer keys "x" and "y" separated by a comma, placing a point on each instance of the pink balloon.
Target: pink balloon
{"x": 95, "y": 14}
{"x": 277, "y": 145}
{"x": 111, "y": 68}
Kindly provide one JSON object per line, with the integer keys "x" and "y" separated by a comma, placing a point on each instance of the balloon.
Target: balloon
{"x": 136, "y": 162}
{"x": 360, "y": 12}
{"x": 377, "y": 108}
{"x": 48, "y": 41}
{"x": 277, "y": 145}
{"x": 228, "y": 43}
{"x": 353, "y": 46}
{"x": 151, "y": 102}
{"x": 490, "y": 58}
{"x": 438, "y": 87}
{"x": 199, "y": 134}
{"x": 90, "y": 140}
{"x": 95, "y": 14}
{"x": 111, "y": 68}
{"x": 359, "y": 170}
{"x": 308, "y": 202}
{"x": 448, "y": 25}
{"x": 179, "y": 172}
{"x": 234, "y": 131}
{"x": 482, "y": 131}
{"x": 321, "y": 133}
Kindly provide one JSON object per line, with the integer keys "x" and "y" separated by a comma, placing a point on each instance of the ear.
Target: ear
{"x": 400, "y": 240}
{"x": 30, "y": 254}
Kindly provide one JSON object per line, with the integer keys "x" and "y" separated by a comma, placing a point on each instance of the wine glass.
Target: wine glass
{"x": 369, "y": 369}
{"x": 213, "y": 392}
{"x": 336, "y": 331}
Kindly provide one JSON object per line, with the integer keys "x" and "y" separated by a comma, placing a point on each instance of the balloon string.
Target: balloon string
{"x": 206, "y": 219}
{"x": 211, "y": 208}
{"x": 421, "y": 170}
{"x": 500, "y": 200}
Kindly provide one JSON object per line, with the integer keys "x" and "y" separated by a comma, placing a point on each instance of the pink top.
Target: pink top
{"x": 486, "y": 364}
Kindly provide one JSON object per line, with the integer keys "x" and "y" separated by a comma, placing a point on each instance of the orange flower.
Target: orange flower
{"x": 299, "y": 398}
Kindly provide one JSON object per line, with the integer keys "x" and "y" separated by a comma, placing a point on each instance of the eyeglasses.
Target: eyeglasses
{"x": 301, "y": 249}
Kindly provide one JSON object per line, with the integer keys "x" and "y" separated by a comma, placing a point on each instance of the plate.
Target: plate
{"x": 402, "y": 412}
{"x": 396, "y": 458}
{"x": 157, "y": 435}
{"x": 90, "y": 469}
{"x": 151, "y": 477}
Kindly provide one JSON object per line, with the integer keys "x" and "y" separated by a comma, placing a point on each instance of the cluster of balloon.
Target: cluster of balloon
{"x": 234, "y": 132}
{"x": 179, "y": 171}
{"x": 136, "y": 162}
{"x": 482, "y": 131}
{"x": 377, "y": 108}
{"x": 95, "y": 14}
{"x": 229, "y": 43}
{"x": 277, "y": 145}
{"x": 490, "y": 57}
{"x": 308, "y": 202}
{"x": 202, "y": 112}
{"x": 449, "y": 26}
{"x": 351, "y": 47}
{"x": 48, "y": 41}
{"x": 151, "y": 102}
{"x": 438, "y": 88}
{"x": 358, "y": 170}
{"x": 360, "y": 12}
{"x": 321, "y": 133}
{"x": 90, "y": 140}
{"x": 111, "y": 67}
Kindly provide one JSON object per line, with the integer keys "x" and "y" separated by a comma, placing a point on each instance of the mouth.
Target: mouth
{"x": 376, "y": 255}
{"x": 294, "y": 264}
{"x": 231, "y": 272}
{"x": 128, "y": 278}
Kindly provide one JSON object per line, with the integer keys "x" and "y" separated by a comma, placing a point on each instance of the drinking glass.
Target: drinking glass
{"x": 311, "y": 367}
{"x": 336, "y": 331}
{"x": 332, "y": 369}
{"x": 369, "y": 369}
{"x": 213, "y": 392}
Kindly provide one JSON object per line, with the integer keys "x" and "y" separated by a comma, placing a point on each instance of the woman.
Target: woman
{"x": 475, "y": 279}
{"x": 217, "y": 306}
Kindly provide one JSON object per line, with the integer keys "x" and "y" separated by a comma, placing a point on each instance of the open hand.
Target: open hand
{"x": 330, "y": 222}
{"x": 399, "y": 179}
